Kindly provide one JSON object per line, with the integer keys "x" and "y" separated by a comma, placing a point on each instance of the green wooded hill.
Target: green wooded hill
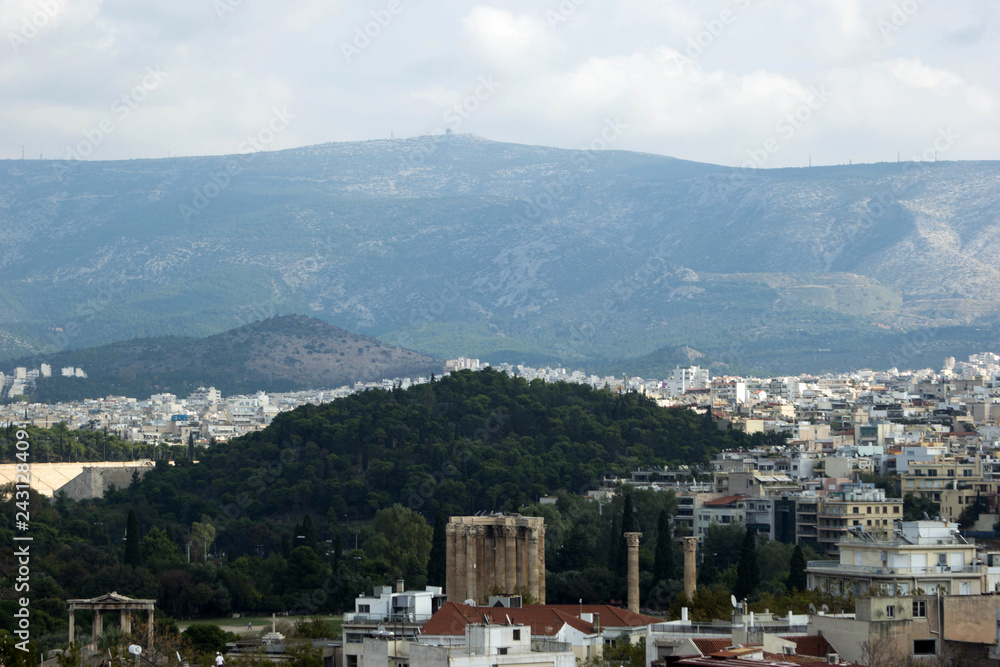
{"x": 466, "y": 443}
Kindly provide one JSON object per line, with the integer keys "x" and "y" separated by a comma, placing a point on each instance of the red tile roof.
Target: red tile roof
{"x": 814, "y": 645}
{"x": 725, "y": 500}
{"x": 544, "y": 620}
{"x": 611, "y": 617}
{"x": 709, "y": 645}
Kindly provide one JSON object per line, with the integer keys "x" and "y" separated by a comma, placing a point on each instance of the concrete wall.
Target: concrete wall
{"x": 93, "y": 482}
{"x": 970, "y": 618}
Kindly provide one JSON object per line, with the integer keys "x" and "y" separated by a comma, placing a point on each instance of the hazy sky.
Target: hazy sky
{"x": 714, "y": 81}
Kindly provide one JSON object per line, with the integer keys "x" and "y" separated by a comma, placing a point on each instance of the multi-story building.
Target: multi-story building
{"x": 398, "y": 611}
{"x": 905, "y": 558}
{"x": 857, "y": 505}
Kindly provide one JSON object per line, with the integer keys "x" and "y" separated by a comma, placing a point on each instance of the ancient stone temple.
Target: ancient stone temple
{"x": 491, "y": 555}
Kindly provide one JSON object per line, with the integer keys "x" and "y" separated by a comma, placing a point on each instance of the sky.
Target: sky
{"x": 765, "y": 83}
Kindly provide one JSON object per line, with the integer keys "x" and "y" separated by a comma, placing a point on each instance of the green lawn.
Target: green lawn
{"x": 239, "y": 625}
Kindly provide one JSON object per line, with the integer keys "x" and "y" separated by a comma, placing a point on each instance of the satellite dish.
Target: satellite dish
{"x": 825, "y": 609}
{"x": 812, "y": 608}
{"x": 135, "y": 649}
{"x": 470, "y": 602}
{"x": 732, "y": 601}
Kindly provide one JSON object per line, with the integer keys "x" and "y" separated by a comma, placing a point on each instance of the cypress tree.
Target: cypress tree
{"x": 663, "y": 563}
{"x": 436, "y": 563}
{"x": 747, "y": 570}
{"x": 797, "y": 569}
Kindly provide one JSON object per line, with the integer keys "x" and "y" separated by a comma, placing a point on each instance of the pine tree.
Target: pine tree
{"x": 797, "y": 569}
{"x": 436, "y": 573}
{"x": 747, "y": 570}
{"x": 663, "y": 563}
{"x": 190, "y": 446}
{"x": 132, "y": 554}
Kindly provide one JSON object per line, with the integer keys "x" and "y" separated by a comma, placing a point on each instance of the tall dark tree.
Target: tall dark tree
{"x": 628, "y": 525}
{"x": 663, "y": 563}
{"x": 190, "y": 446}
{"x": 132, "y": 554}
{"x": 747, "y": 570}
{"x": 436, "y": 565}
{"x": 308, "y": 533}
{"x": 797, "y": 569}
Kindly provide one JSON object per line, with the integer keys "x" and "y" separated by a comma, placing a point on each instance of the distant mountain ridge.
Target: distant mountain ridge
{"x": 283, "y": 353}
{"x": 461, "y": 246}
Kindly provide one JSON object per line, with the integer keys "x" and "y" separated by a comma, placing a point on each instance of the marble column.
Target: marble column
{"x": 98, "y": 627}
{"x": 522, "y": 559}
{"x": 125, "y": 621}
{"x": 690, "y": 572}
{"x": 72, "y": 623}
{"x": 489, "y": 561}
{"x": 149, "y": 625}
{"x": 470, "y": 562}
{"x": 510, "y": 546}
{"x": 458, "y": 595}
{"x": 532, "y": 564}
{"x": 499, "y": 558}
{"x": 479, "y": 537}
{"x": 633, "y": 571}
{"x": 449, "y": 557}
{"x": 541, "y": 564}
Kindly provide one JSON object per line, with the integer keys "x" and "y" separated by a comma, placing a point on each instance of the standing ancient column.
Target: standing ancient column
{"x": 541, "y": 564}
{"x": 633, "y": 571}
{"x": 470, "y": 562}
{"x": 522, "y": 559}
{"x": 479, "y": 533}
{"x": 489, "y": 560}
{"x": 510, "y": 546}
{"x": 532, "y": 538}
{"x": 458, "y": 594}
{"x": 72, "y": 623}
{"x": 449, "y": 561}
{"x": 499, "y": 561}
{"x": 690, "y": 580}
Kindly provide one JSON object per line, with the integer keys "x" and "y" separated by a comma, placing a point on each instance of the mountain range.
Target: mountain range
{"x": 459, "y": 246}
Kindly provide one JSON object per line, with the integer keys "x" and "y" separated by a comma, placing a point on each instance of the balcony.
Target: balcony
{"x": 354, "y": 617}
{"x": 833, "y": 567}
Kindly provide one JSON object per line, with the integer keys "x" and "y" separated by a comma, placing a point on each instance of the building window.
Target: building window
{"x": 924, "y": 647}
{"x": 942, "y": 559}
{"x": 364, "y": 609}
{"x": 502, "y": 650}
{"x": 890, "y": 611}
{"x": 856, "y": 510}
{"x": 920, "y": 609}
{"x": 895, "y": 510}
{"x": 517, "y": 635}
{"x": 869, "y": 509}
